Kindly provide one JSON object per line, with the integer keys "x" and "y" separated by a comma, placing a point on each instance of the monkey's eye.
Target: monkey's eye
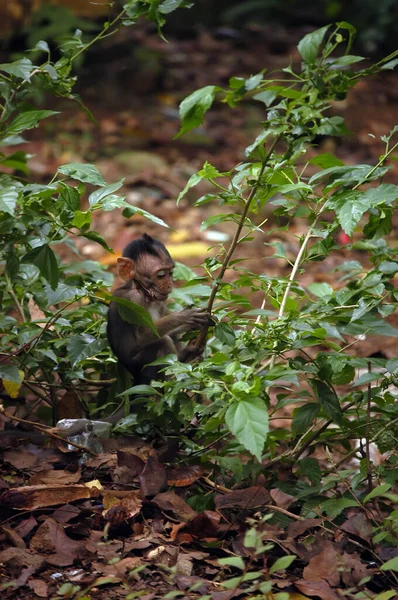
{"x": 161, "y": 274}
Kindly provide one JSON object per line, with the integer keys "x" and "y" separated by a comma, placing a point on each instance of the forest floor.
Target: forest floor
{"x": 134, "y": 91}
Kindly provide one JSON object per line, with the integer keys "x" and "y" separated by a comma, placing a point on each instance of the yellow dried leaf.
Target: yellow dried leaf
{"x": 12, "y": 388}
{"x": 95, "y": 483}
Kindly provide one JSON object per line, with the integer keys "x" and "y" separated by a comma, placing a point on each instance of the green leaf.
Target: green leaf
{"x": 141, "y": 390}
{"x": 168, "y": 6}
{"x": 388, "y": 267}
{"x": 248, "y": 421}
{"x": 44, "y": 258}
{"x": 81, "y": 219}
{"x": 346, "y": 60}
{"x": 232, "y": 561}
{"x": 70, "y": 197}
{"x": 21, "y": 68}
{"x": 262, "y": 136}
{"x": 391, "y": 64}
{"x": 386, "y": 193}
{"x": 390, "y": 565}
{"x": 134, "y": 313}
{"x": 16, "y": 160}
{"x": 129, "y": 211}
{"x": 8, "y": 197}
{"x": 309, "y": 45}
{"x": 326, "y": 160}
{"x": 320, "y": 289}
{"x": 10, "y": 372}
{"x": 377, "y": 491}
{"x": 225, "y": 334}
{"x": 367, "y": 378}
{"x": 192, "y": 181}
{"x": 349, "y": 209}
{"x": 96, "y": 237}
{"x": 328, "y": 400}
{"x": 83, "y": 346}
{"x": 282, "y": 563}
{"x": 63, "y": 293}
{"x": 336, "y": 506}
{"x": 194, "y": 107}
{"x": 28, "y": 120}
{"x": 268, "y": 96}
{"x": 311, "y": 469}
{"x": 303, "y": 416}
{"x": 99, "y": 195}
{"x": 83, "y": 172}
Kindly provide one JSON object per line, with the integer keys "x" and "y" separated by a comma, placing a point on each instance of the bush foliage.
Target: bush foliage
{"x": 294, "y": 350}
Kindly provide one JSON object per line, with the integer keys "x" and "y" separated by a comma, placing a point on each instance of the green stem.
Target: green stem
{"x": 234, "y": 243}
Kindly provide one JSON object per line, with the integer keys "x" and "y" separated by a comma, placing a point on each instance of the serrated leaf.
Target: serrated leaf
{"x": 320, "y": 289}
{"x": 311, "y": 469}
{"x": 83, "y": 172}
{"x": 262, "y": 136}
{"x": 8, "y": 198}
{"x": 377, "y": 491}
{"x": 83, "y": 346}
{"x": 81, "y": 219}
{"x": 309, "y": 45}
{"x": 326, "y": 161}
{"x": 248, "y": 421}
{"x": 367, "y": 378}
{"x": 335, "y": 506}
{"x": 134, "y": 313}
{"x": 268, "y": 96}
{"x": 225, "y": 334}
{"x": 21, "y": 68}
{"x": 349, "y": 211}
{"x": 194, "y": 107}
{"x": 28, "y": 120}
{"x": 129, "y": 211}
{"x": 63, "y": 293}
{"x": 44, "y": 258}
{"x": 70, "y": 197}
{"x": 328, "y": 400}
{"x": 96, "y": 237}
{"x": 99, "y": 195}
{"x": 386, "y": 193}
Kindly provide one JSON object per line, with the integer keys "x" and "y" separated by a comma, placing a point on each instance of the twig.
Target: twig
{"x": 46, "y": 430}
{"x": 217, "y": 282}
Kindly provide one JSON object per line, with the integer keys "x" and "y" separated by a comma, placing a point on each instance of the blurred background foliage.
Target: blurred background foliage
{"x": 24, "y": 22}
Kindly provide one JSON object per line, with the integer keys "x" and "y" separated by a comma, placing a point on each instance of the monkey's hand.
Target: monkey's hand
{"x": 194, "y": 318}
{"x": 190, "y": 352}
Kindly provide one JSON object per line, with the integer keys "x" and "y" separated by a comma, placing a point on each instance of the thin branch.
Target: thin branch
{"x": 217, "y": 282}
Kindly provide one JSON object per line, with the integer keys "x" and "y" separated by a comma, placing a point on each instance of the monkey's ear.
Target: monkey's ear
{"x": 125, "y": 267}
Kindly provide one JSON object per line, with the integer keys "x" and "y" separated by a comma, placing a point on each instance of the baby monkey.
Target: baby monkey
{"x": 147, "y": 268}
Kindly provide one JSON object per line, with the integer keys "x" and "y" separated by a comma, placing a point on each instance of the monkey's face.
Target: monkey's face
{"x": 153, "y": 274}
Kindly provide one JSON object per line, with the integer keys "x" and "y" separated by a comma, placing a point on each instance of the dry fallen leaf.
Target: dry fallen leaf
{"x": 247, "y": 498}
{"x": 153, "y": 478}
{"x": 52, "y": 476}
{"x": 32, "y": 497}
{"x": 324, "y": 565}
{"x": 170, "y": 501}
{"x": 183, "y": 476}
